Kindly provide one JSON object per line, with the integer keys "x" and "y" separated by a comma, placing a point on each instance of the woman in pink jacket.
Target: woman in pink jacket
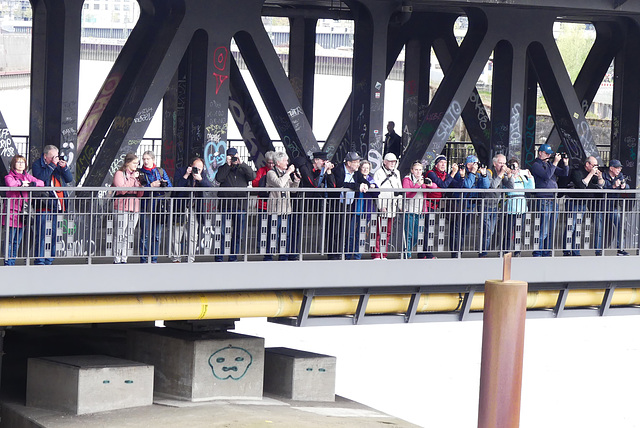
{"x": 415, "y": 204}
{"x": 127, "y": 207}
{"x": 16, "y": 201}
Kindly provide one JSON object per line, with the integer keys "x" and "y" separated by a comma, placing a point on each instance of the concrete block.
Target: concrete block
{"x": 299, "y": 375}
{"x": 88, "y": 383}
{"x": 200, "y": 366}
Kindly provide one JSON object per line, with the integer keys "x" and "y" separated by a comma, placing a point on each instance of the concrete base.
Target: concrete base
{"x": 200, "y": 366}
{"x": 88, "y": 384}
{"x": 237, "y": 414}
{"x": 299, "y": 375}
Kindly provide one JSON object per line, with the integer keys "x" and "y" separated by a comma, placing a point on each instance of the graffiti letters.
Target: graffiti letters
{"x": 448, "y": 121}
{"x": 6, "y": 144}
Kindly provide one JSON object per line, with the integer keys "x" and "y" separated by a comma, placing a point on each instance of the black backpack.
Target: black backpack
{"x": 263, "y": 183}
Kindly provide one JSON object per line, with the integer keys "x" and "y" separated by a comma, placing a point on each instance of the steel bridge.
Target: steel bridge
{"x": 180, "y": 53}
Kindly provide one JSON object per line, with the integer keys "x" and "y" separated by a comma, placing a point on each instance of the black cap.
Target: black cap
{"x": 320, "y": 155}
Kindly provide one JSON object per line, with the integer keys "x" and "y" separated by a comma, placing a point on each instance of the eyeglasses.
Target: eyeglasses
{"x": 595, "y": 165}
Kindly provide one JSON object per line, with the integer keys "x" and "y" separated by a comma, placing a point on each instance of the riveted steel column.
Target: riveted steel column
{"x": 505, "y": 310}
{"x": 54, "y": 79}
{"x": 369, "y": 77}
{"x": 626, "y": 109}
{"x": 302, "y": 61}
{"x": 501, "y": 97}
{"x": 417, "y": 67}
{"x": 173, "y": 125}
{"x": 529, "y": 146}
{"x": 195, "y": 61}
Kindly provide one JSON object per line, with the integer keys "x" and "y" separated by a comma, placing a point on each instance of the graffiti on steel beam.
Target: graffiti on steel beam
{"x": 449, "y": 121}
{"x": 529, "y": 141}
{"x": 6, "y": 144}
{"x": 247, "y": 133}
{"x": 215, "y": 150}
{"x": 481, "y": 112}
{"x": 97, "y": 109}
{"x": 515, "y": 129}
{"x": 220, "y": 56}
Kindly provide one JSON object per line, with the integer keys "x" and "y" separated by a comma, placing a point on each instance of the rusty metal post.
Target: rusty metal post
{"x": 505, "y": 306}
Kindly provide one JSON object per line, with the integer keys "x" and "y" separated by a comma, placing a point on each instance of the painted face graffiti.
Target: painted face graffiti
{"x": 230, "y": 363}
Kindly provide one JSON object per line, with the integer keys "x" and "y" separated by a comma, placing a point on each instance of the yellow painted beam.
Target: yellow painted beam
{"x": 128, "y": 308}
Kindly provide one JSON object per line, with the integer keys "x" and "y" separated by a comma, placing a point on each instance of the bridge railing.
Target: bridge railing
{"x": 96, "y": 225}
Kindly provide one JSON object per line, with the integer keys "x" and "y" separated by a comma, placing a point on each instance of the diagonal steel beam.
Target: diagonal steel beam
{"x": 276, "y": 91}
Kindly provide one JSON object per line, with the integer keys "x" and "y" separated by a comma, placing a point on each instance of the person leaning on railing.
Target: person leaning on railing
{"x": 126, "y": 204}
{"x": 53, "y": 171}
{"x": 16, "y": 202}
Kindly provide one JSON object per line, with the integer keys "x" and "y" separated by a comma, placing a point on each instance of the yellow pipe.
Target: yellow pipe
{"x": 129, "y": 308}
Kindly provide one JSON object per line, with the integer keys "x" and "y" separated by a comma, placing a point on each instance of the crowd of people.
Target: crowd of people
{"x": 357, "y": 208}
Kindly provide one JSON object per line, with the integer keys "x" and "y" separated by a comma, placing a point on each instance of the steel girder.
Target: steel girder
{"x": 55, "y": 66}
{"x": 626, "y": 106}
{"x": 245, "y": 115}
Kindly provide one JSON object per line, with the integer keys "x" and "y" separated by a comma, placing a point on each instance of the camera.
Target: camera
{"x": 512, "y": 166}
{"x": 194, "y": 170}
{"x": 562, "y": 155}
{"x": 142, "y": 177}
{"x": 62, "y": 157}
{"x": 235, "y": 159}
{"x": 164, "y": 183}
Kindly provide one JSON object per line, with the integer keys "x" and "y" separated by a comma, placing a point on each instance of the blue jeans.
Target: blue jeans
{"x": 489, "y": 220}
{"x": 353, "y": 237}
{"x": 150, "y": 232}
{"x": 411, "y": 225}
{"x": 15, "y": 238}
{"x": 614, "y": 220}
{"x": 40, "y": 250}
{"x": 547, "y": 209}
{"x": 238, "y": 219}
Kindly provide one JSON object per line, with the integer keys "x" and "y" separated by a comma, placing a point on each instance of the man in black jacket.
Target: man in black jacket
{"x": 344, "y": 206}
{"x": 392, "y": 141}
{"x": 586, "y": 176}
{"x": 236, "y": 174}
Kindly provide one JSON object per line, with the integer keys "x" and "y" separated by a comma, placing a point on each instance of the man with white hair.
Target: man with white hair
{"x": 389, "y": 202}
